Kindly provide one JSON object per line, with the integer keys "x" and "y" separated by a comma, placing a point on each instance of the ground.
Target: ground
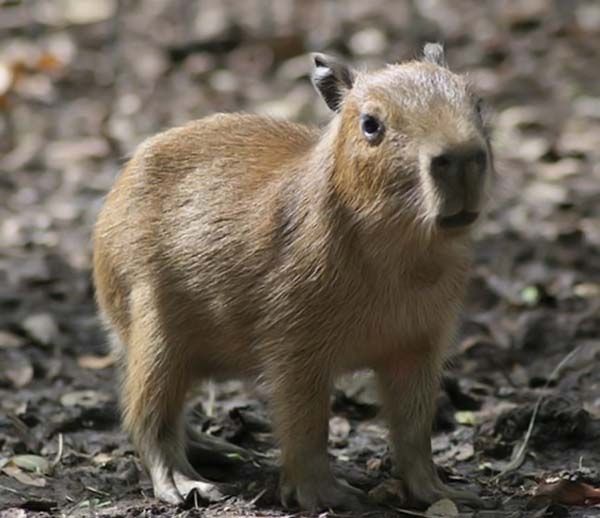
{"x": 82, "y": 83}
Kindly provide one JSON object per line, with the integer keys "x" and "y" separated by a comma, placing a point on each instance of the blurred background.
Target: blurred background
{"x": 82, "y": 82}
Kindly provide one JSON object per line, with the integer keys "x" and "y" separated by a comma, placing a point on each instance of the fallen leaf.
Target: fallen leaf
{"x": 96, "y": 362}
{"x": 369, "y": 41}
{"x": 465, "y": 417}
{"x": 13, "y": 512}
{"x": 464, "y": 452}
{"x": 389, "y": 491}
{"x": 101, "y": 459}
{"x": 374, "y": 464}
{"x": 88, "y": 11}
{"x": 568, "y": 492}
{"x": 587, "y": 290}
{"x": 32, "y": 463}
{"x": 48, "y": 62}
{"x": 530, "y": 295}
{"x": 19, "y": 369}
{"x": 9, "y": 340}
{"x": 6, "y": 78}
{"x": 84, "y": 398}
{"x": 442, "y": 509}
{"x": 18, "y": 474}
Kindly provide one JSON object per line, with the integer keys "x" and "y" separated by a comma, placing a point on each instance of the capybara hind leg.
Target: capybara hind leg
{"x": 154, "y": 389}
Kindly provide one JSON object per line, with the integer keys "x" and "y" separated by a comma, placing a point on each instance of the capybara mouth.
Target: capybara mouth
{"x": 460, "y": 219}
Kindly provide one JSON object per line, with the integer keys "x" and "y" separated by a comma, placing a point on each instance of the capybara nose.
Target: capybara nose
{"x": 459, "y": 176}
{"x": 459, "y": 170}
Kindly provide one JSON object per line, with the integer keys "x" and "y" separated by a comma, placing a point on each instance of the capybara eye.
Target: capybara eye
{"x": 371, "y": 127}
{"x": 440, "y": 162}
{"x": 480, "y": 159}
{"x": 479, "y": 106}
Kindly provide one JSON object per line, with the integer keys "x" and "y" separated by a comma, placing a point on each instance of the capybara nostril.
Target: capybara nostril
{"x": 459, "y": 177}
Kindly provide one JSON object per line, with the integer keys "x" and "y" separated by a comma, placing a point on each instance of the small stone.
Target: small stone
{"x": 41, "y": 327}
{"x": 339, "y": 428}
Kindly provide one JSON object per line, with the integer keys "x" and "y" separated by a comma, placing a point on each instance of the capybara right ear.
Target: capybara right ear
{"x": 332, "y": 79}
{"x": 434, "y": 53}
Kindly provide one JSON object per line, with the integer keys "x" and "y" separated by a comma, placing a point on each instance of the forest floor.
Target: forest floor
{"x": 82, "y": 83}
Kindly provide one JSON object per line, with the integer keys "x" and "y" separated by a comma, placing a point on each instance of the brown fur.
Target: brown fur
{"x": 238, "y": 245}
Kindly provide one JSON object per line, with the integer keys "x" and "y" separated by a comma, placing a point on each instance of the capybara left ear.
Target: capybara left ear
{"x": 332, "y": 79}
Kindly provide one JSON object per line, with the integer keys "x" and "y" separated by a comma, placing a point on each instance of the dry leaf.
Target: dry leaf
{"x": 442, "y": 508}
{"x": 88, "y": 11}
{"x": 102, "y": 459}
{"x": 32, "y": 463}
{"x": 465, "y": 417}
{"x": 389, "y": 491}
{"x": 9, "y": 340}
{"x": 568, "y": 492}
{"x": 84, "y": 398}
{"x": 18, "y": 474}
{"x": 96, "y": 362}
{"x": 13, "y": 512}
{"x": 6, "y": 78}
{"x": 48, "y": 62}
{"x": 374, "y": 464}
{"x": 19, "y": 371}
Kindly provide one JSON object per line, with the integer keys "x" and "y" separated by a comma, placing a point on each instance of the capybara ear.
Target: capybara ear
{"x": 434, "y": 53}
{"x": 332, "y": 79}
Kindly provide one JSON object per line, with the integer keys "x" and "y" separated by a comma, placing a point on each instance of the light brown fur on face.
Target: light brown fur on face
{"x": 237, "y": 245}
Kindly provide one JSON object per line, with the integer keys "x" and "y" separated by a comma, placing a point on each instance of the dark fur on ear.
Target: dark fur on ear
{"x": 434, "y": 53}
{"x": 332, "y": 79}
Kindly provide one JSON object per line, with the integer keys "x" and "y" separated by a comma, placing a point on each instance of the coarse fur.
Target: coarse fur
{"x": 238, "y": 245}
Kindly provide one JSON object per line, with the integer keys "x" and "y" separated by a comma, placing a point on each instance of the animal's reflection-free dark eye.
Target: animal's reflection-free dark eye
{"x": 479, "y": 106}
{"x": 443, "y": 161}
{"x": 371, "y": 127}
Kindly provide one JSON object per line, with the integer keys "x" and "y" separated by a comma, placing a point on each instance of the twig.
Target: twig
{"x": 11, "y": 490}
{"x": 97, "y": 491}
{"x": 257, "y": 497}
{"x": 212, "y": 396}
{"x": 409, "y": 512}
{"x": 59, "y": 452}
{"x": 330, "y": 514}
{"x": 519, "y": 456}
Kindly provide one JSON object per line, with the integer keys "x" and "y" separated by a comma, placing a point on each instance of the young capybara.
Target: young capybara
{"x": 242, "y": 246}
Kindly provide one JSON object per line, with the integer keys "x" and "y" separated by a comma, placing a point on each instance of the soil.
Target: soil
{"x": 82, "y": 83}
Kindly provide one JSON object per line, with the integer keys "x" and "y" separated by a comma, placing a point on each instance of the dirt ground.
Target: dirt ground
{"x": 83, "y": 82}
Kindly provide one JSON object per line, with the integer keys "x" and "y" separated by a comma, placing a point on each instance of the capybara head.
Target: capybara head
{"x": 410, "y": 145}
